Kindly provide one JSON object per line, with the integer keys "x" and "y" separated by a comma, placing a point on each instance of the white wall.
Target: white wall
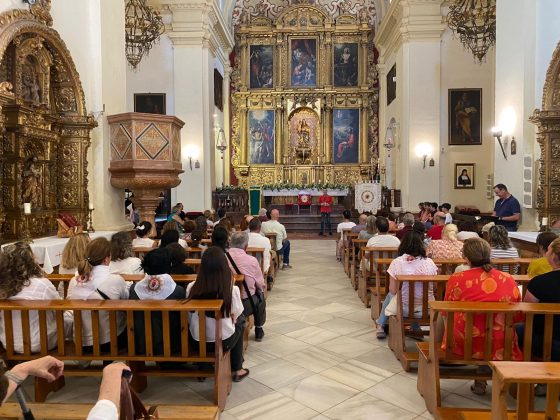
{"x": 459, "y": 70}
{"x": 11, "y": 4}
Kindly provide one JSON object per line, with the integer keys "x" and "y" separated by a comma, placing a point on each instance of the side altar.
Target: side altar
{"x": 305, "y": 97}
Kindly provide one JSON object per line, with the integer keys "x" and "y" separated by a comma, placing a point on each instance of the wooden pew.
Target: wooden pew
{"x": 371, "y": 285}
{"x": 194, "y": 263}
{"x": 72, "y": 349}
{"x": 139, "y": 252}
{"x": 399, "y": 323}
{"x": 348, "y": 251}
{"x": 344, "y": 238}
{"x": 435, "y": 363}
{"x": 194, "y": 253}
{"x": 357, "y": 245}
{"x": 258, "y": 253}
{"x": 55, "y": 411}
{"x": 181, "y": 279}
{"x": 525, "y": 375}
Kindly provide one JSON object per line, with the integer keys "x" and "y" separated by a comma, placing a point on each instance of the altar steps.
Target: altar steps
{"x": 307, "y": 223}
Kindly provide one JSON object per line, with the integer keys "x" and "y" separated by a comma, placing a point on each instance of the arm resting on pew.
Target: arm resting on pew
{"x": 107, "y": 406}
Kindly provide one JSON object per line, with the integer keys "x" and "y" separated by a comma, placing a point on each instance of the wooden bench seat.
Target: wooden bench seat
{"x": 435, "y": 363}
{"x": 355, "y": 261}
{"x": 376, "y": 276}
{"x": 210, "y": 364}
{"x": 47, "y": 411}
{"x": 399, "y": 323}
{"x": 348, "y": 250}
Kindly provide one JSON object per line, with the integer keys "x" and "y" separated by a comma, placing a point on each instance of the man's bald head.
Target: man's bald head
{"x": 275, "y": 214}
{"x": 362, "y": 219}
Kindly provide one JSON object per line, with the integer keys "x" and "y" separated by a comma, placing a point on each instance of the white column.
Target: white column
{"x": 227, "y": 128}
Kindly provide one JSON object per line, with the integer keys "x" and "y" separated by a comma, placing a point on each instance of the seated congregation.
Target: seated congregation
{"x": 164, "y": 314}
{"x": 464, "y": 297}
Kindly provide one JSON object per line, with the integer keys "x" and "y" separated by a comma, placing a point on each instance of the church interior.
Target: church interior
{"x": 320, "y": 127}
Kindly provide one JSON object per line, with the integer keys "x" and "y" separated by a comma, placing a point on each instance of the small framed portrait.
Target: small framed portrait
{"x": 465, "y": 117}
{"x": 464, "y": 176}
{"x": 149, "y": 103}
{"x": 261, "y": 68}
{"x": 303, "y": 62}
{"x": 346, "y": 65}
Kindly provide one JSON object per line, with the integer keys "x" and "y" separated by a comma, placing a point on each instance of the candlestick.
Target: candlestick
{"x": 90, "y": 206}
{"x": 89, "y": 223}
{"x": 26, "y": 208}
{"x": 544, "y": 221}
{"x": 26, "y": 235}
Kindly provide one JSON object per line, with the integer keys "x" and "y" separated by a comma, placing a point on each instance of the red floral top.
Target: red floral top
{"x": 475, "y": 285}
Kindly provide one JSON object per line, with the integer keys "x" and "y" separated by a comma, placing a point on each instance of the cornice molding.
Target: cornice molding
{"x": 198, "y": 23}
{"x": 409, "y": 20}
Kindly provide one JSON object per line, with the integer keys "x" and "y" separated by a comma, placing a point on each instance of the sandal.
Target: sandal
{"x": 478, "y": 387}
{"x": 239, "y": 378}
{"x": 380, "y": 334}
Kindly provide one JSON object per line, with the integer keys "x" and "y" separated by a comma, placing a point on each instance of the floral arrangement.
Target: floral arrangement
{"x": 316, "y": 186}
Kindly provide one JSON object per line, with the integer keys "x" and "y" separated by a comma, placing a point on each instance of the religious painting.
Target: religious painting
{"x": 304, "y": 62}
{"x": 465, "y": 117}
{"x": 149, "y": 103}
{"x": 346, "y": 134}
{"x": 218, "y": 90}
{"x": 464, "y": 176}
{"x": 261, "y": 73}
{"x": 303, "y": 127}
{"x": 261, "y": 136}
{"x": 346, "y": 65}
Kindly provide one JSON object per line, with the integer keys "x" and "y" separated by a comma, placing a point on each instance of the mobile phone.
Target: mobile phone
{"x": 127, "y": 374}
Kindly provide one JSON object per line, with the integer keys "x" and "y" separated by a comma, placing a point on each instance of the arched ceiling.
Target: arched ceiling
{"x": 272, "y": 8}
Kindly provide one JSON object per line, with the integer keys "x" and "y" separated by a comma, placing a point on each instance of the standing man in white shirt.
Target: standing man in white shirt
{"x": 282, "y": 242}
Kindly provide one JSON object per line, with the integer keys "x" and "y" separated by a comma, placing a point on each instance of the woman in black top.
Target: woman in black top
{"x": 177, "y": 255}
{"x": 157, "y": 285}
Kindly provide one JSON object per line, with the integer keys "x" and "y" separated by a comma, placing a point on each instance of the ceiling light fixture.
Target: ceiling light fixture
{"x": 143, "y": 27}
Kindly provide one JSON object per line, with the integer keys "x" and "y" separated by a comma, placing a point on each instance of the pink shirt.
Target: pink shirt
{"x": 250, "y": 267}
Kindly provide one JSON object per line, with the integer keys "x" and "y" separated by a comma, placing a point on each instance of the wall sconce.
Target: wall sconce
{"x": 191, "y": 151}
{"x": 423, "y": 150}
{"x": 390, "y": 136}
{"x": 497, "y": 133}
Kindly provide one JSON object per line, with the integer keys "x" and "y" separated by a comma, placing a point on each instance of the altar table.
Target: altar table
{"x": 48, "y": 251}
{"x": 525, "y": 242}
{"x": 295, "y": 193}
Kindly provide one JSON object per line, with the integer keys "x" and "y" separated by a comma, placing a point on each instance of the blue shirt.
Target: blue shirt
{"x": 507, "y": 207}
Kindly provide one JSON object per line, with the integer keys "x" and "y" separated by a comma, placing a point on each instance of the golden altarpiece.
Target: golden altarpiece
{"x": 305, "y": 98}
{"x": 44, "y": 129}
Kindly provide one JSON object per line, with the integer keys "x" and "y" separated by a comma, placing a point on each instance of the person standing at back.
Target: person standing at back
{"x": 506, "y": 209}
{"x": 282, "y": 242}
{"x": 325, "y": 203}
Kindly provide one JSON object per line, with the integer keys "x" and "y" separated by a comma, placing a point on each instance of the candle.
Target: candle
{"x": 26, "y": 208}
{"x": 544, "y": 221}
{"x": 90, "y": 205}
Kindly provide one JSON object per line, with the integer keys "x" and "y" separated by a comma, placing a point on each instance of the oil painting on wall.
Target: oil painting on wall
{"x": 465, "y": 116}
{"x": 261, "y": 136}
{"x": 346, "y": 129}
{"x": 346, "y": 65}
{"x": 261, "y": 67}
{"x": 304, "y": 62}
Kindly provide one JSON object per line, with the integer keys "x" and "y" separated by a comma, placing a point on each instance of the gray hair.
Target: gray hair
{"x": 370, "y": 224}
{"x": 408, "y": 219}
{"x": 262, "y": 212}
{"x": 239, "y": 240}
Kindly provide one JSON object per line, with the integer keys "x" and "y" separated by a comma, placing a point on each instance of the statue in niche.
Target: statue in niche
{"x": 363, "y": 15}
{"x": 31, "y": 182}
{"x": 303, "y": 134}
{"x": 31, "y": 90}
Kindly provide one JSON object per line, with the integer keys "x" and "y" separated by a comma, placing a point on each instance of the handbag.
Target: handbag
{"x": 132, "y": 408}
{"x": 391, "y": 308}
{"x": 258, "y": 307}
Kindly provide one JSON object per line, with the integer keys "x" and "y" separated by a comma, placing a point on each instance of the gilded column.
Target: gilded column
{"x": 364, "y": 121}
{"x": 278, "y": 137}
{"x": 328, "y": 60}
{"x": 328, "y": 131}
{"x": 244, "y": 141}
{"x": 244, "y": 59}
{"x": 363, "y": 61}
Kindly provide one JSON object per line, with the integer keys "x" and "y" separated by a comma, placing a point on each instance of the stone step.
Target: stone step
{"x": 307, "y": 223}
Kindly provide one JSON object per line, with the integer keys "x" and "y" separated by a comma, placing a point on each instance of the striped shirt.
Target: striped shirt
{"x": 511, "y": 252}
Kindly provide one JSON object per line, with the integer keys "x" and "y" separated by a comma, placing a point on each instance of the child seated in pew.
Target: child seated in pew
{"x": 95, "y": 281}
{"x": 412, "y": 260}
{"x": 142, "y": 240}
{"x": 23, "y": 279}
{"x": 481, "y": 283}
{"x": 157, "y": 285}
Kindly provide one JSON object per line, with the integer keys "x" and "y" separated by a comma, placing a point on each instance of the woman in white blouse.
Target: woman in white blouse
{"x": 95, "y": 281}
{"x": 214, "y": 281}
{"x": 22, "y": 278}
{"x": 122, "y": 261}
{"x": 142, "y": 240}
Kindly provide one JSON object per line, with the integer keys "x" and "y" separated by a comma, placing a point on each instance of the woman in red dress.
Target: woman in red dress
{"x": 482, "y": 283}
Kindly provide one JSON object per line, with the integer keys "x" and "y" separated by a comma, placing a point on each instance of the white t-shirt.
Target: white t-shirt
{"x": 104, "y": 410}
{"x": 142, "y": 243}
{"x": 463, "y": 236}
{"x": 256, "y": 240}
{"x": 274, "y": 226}
{"x": 130, "y": 265}
{"x": 448, "y": 218}
{"x": 228, "y": 326}
{"x": 381, "y": 241}
{"x": 38, "y": 289}
{"x": 183, "y": 243}
{"x": 344, "y": 225}
{"x": 114, "y": 287}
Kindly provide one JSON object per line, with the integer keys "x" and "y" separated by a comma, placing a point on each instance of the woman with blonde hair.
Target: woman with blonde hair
{"x": 74, "y": 252}
{"x": 123, "y": 260}
{"x": 370, "y": 230}
{"x": 448, "y": 246}
{"x": 95, "y": 281}
{"x": 23, "y": 279}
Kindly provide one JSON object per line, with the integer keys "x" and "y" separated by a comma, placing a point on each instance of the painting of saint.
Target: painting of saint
{"x": 346, "y": 65}
{"x": 304, "y": 62}
{"x": 465, "y": 114}
{"x": 261, "y": 136}
{"x": 346, "y": 134}
{"x": 261, "y": 67}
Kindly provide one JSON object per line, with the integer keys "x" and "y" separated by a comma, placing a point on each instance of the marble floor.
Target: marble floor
{"x": 319, "y": 359}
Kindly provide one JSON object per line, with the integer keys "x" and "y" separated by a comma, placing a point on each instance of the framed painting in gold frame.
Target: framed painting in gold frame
{"x": 345, "y": 64}
{"x": 260, "y": 135}
{"x": 303, "y": 62}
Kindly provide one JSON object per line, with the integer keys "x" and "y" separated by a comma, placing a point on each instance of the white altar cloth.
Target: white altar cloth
{"x": 525, "y": 236}
{"x": 48, "y": 251}
{"x": 295, "y": 193}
